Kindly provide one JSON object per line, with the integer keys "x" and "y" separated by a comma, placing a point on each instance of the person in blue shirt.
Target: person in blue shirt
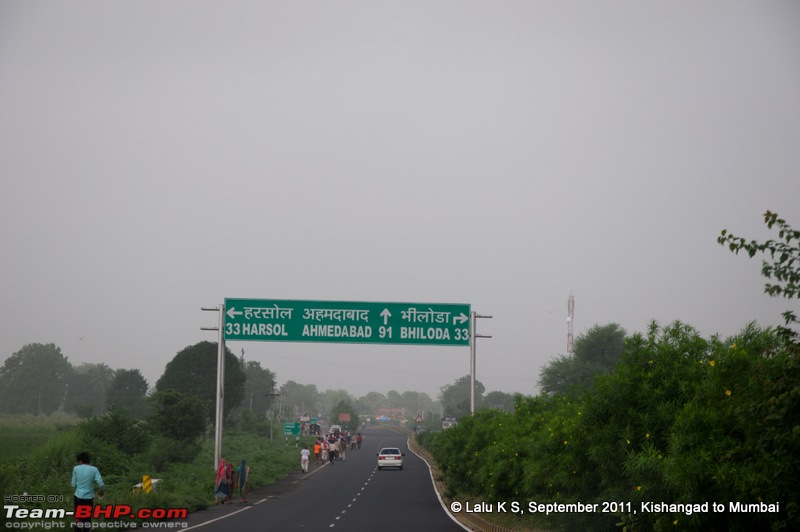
{"x": 83, "y": 478}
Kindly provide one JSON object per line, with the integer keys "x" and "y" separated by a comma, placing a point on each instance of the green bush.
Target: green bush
{"x": 682, "y": 419}
{"x": 120, "y": 429}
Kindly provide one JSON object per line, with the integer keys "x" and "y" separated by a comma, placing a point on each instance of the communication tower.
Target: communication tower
{"x": 570, "y": 319}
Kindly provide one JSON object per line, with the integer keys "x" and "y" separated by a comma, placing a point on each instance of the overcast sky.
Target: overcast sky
{"x": 158, "y": 157}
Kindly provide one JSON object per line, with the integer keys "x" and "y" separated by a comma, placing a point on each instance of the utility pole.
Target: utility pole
{"x": 472, "y": 321}
{"x": 570, "y": 319}
{"x": 272, "y": 395}
{"x": 220, "y": 379}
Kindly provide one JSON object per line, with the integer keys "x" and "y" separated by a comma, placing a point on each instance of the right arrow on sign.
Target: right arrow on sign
{"x": 460, "y": 319}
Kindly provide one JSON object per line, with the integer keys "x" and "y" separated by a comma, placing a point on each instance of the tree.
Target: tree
{"x": 783, "y": 265}
{"x": 499, "y": 401}
{"x": 34, "y": 380}
{"x": 456, "y": 397}
{"x": 88, "y": 386}
{"x": 301, "y": 398}
{"x": 395, "y": 401}
{"x": 79, "y": 397}
{"x": 416, "y": 403}
{"x": 258, "y": 386}
{"x": 119, "y": 428}
{"x": 178, "y": 416}
{"x": 345, "y": 407}
{"x": 100, "y": 378}
{"x": 370, "y": 403}
{"x": 330, "y": 398}
{"x": 128, "y": 390}
{"x": 193, "y": 371}
{"x": 596, "y": 352}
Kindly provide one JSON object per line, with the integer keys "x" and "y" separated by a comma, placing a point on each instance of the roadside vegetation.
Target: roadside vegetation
{"x": 666, "y": 417}
{"x": 39, "y": 458}
{"x": 680, "y": 419}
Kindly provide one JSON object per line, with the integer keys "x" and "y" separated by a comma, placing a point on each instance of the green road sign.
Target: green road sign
{"x": 291, "y": 429}
{"x": 282, "y": 320}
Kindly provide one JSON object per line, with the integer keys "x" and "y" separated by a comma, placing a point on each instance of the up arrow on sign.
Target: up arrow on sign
{"x": 386, "y": 315}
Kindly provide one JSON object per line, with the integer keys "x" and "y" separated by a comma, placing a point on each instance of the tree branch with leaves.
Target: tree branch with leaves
{"x": 782, "y": 263}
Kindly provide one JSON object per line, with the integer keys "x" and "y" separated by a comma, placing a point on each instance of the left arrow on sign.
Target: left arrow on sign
{"x": 232, "y": 312}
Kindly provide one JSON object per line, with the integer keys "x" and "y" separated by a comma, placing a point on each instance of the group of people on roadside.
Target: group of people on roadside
{"x": 229, "y": 479}
{"x": 333, "y": 447}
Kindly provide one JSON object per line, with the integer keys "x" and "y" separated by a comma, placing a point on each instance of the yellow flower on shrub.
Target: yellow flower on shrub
{"x": 711, "y": 363}
{"x": 728, "y": 393}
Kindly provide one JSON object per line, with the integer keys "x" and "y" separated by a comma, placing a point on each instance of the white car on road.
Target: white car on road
{"x": 390, "y": 457}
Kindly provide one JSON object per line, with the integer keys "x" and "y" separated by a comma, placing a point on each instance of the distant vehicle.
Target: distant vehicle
{"x": 390, "y": 457}
{"x": 336, "y": 429}
{"x": 449, "y": 421}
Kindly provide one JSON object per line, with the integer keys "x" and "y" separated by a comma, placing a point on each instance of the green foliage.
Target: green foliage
{"x": 258, "y": 387}
{"x": 498, "y": 401}
{"x": 88, "y": 387}
{"x": 186, "y": 481}
{"x": 682, "y": 419}
{"x": 345, "y": 407}
{"x": 167, "y": 451}
{"x": 119, "y": 429}
{"x": 22, "y": 434}
{"x": 456, "y": 397}
{"x": 177, "y": 416}
{"x": 33, "y": 380}
{"x": 128, "y": 390}
{"x": 596, "y": 352}
{"x": 738, "y": 439}
{"x": 193, "y": 371}
{"x": 783, "y": 264}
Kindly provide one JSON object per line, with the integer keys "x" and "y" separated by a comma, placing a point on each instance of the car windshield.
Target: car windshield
{"x": 390, "y": 451}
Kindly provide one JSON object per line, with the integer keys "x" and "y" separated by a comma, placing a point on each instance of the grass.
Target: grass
{"x": 23, "y": 434}
{"x": 37, "y": 456}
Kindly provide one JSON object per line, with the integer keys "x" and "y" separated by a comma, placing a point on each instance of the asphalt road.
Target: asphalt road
{"x": 351, "y": 495}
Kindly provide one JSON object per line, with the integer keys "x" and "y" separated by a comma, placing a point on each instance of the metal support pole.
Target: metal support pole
{"x": 472, "y": 322}
{"x": 472, "y": 363}
{"x": 220, "y": 381}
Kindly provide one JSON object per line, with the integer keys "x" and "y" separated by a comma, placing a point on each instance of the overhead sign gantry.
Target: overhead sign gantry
{"x": 347, "y": 322}
{"x": 286, "y": 320}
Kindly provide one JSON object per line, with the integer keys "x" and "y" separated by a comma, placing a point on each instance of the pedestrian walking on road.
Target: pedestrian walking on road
{"x": 317, "y": 450}
{"x": 84, "y": 477}
{"x": 304, "y": 458}
{"x": 331, "y": 451}
{"x": 244, "y": 481}
{"x": 222, "y": 491}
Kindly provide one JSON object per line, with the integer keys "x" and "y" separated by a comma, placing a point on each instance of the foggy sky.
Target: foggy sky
{"x": 158, "y": 157}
